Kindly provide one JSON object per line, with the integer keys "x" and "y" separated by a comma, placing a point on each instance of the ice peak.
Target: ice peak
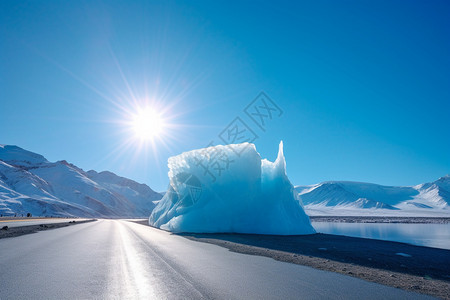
{"x": 280, "y": 151}
{"x": 280, "y": 162}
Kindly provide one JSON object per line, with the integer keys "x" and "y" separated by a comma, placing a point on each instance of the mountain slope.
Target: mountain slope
{"x": 337, "y": 197}
{"x": 30, "y": 183}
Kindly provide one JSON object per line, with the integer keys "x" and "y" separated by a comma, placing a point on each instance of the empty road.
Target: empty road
{"x": 117, "y": 259}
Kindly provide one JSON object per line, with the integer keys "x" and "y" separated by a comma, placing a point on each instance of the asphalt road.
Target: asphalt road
{"x": 114, "y": 259}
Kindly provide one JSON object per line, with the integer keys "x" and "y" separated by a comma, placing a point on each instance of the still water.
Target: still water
{"x": 430, "y": 235}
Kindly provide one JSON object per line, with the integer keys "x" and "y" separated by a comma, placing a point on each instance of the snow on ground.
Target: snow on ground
{"x": 230, "y": 189}
{"x": 345, "y": 198}
{"x": 321, "y": 210}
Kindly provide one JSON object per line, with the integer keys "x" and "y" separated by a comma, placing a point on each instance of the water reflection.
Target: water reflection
{"x": 430, "y": 235}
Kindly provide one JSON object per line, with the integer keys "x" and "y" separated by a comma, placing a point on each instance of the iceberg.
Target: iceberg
{"x": 230, "y": 189}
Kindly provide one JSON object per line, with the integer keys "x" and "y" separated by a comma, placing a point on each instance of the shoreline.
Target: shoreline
{"x": 413, "y": 268}
{"x": 381, "y": 219}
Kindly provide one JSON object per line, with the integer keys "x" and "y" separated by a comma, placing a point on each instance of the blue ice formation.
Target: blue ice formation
{"x": 230, "y": 189}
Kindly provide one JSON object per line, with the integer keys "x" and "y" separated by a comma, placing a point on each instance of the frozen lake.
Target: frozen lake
{"x": 430, "y": 235}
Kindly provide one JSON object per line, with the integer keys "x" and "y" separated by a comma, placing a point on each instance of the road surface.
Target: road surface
{"x": 116, "y": 259}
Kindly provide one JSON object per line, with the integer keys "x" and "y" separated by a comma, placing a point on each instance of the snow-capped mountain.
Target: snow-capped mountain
{"x": 344, "y": 197}
{"x": 30, "y": 183}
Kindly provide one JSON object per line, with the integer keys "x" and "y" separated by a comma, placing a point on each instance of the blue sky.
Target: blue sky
{"x": 363, "y": 85}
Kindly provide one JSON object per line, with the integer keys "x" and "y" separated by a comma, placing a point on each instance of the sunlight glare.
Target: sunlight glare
{"x": 147, "y": 124}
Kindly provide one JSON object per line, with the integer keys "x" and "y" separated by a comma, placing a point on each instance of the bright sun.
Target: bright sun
{"x": 147, "y": 124}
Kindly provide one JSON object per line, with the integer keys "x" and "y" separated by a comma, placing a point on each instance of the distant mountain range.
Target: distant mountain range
{"x": 29, "y": 183}
{"x": 354, "y": 198}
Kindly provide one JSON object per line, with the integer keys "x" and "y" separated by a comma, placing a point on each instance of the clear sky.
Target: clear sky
{"x": 364, "y": 86}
